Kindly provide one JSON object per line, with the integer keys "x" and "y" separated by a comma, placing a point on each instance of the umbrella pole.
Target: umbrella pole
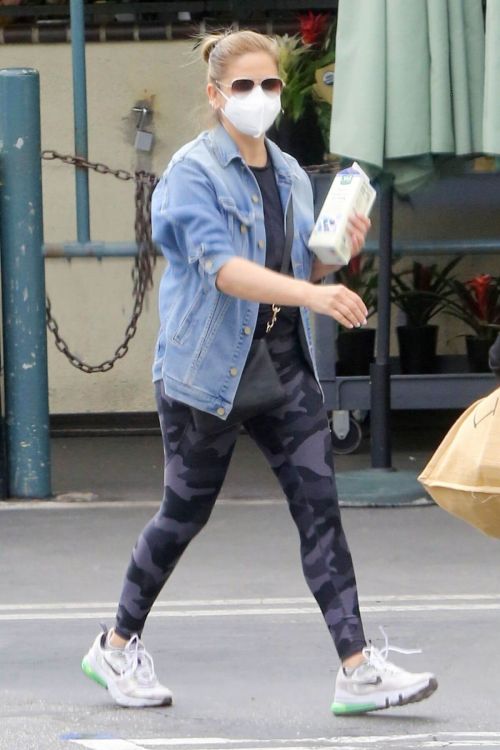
{"x": 381, "y": 486}
{"x": 380, "y": 392}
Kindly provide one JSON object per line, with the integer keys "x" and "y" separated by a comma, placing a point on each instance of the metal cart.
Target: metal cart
{"x": 452, "y": 386}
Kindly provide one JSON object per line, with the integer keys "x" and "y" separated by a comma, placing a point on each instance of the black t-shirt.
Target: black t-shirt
{"x": 288, "y": 317}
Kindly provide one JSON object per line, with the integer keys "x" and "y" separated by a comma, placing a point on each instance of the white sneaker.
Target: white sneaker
{"x": 128, "y": 673}
{"x": 377, "y": 684}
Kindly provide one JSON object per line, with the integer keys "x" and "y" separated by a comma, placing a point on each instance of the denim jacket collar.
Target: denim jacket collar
{"x": 226, "y": 150}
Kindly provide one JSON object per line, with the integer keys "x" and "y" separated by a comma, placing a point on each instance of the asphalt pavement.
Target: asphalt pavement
{"x": 236, "y": 634}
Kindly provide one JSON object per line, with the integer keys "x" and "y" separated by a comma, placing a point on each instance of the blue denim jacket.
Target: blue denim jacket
{"x": 207, "y": 209}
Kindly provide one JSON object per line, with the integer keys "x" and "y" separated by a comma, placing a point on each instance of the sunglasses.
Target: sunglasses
{"x": 240, "y": 86}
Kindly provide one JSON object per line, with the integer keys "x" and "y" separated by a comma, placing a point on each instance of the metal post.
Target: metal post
{"x": 380, "y": 369}
{"x": 80, "y": 118}
{"x": 23, "y": 286}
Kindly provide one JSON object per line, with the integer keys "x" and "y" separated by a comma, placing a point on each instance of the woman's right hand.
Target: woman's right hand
{"x": 338, "y": 302}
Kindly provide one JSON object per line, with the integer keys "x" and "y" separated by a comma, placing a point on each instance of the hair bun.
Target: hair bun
{"x": 208, "y": 43}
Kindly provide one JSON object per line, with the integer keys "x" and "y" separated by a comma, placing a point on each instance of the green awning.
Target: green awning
{"x": 491, "y": 118}
{"x": 415, "y": 83}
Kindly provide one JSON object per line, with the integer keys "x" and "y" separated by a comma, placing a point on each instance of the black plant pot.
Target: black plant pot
{"x": 477, "y": 353}
{"x": 417, "y": 349}
{"x": 302, "y": 139}
{"x": 355, "y": 351}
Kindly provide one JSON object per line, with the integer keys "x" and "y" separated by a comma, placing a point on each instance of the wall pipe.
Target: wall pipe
{"x": 80, "y": 118}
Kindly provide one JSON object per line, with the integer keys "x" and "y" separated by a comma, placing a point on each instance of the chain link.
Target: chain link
{"x": 144, "y": 262}
{"x": 270, "y": 323}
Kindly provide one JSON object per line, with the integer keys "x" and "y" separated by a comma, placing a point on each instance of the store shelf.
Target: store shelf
{"x": 452, "y": 387}
{"x": 456, "y": 215}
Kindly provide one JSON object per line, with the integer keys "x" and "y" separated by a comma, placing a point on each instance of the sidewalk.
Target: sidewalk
{"x": 130, "y": 468}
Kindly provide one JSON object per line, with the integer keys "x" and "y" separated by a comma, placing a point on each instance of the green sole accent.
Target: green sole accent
{"x": 87, "y": 669}
{"x": 344, "y": 709}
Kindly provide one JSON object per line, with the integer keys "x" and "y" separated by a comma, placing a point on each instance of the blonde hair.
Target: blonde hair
{"x": 218, "y": 50}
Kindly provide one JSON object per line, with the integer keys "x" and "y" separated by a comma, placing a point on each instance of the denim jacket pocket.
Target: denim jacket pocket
{"x": 238, "y": 221}
{"x": 214, "y": 319}
{"x": 185, "y": 323}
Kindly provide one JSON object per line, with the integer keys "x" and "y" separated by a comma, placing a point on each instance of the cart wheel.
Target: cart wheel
{"x": 349, "y": 442}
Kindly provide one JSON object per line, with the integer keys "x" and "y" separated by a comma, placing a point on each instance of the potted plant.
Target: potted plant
{"x": 356, "y": 346}
{"x": 476, "y": 302}
{"x": 420, "y": 292}
{"x": 304, "y": 125}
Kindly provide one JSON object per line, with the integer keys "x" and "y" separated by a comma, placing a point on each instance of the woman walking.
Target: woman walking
{"x": 233, "y": 214}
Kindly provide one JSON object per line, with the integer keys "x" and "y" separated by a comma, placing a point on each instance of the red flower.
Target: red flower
{"x": 480, "y": 286}
{"x": 313, "y": 27}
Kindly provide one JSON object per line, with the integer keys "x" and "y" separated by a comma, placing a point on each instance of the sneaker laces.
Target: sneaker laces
{"x": 377, "y": 658}
{"x": 138, "y": 661}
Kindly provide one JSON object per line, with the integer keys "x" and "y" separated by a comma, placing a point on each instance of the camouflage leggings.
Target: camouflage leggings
{"x": 295, "y": 440}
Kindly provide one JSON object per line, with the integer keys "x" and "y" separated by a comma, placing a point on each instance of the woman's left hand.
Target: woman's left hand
{"x": 358, "y": 227}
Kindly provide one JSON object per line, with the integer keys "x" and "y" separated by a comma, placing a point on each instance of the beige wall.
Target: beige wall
{"x": 92, "y": 299}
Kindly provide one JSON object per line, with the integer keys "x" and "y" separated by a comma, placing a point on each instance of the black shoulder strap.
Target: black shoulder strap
{"x": 287, "y": 250}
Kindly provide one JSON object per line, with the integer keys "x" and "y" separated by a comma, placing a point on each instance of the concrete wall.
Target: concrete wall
{"x": 92, "y": 299}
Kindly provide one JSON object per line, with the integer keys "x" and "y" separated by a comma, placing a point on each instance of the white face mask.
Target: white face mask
{"x": 254, "y": 113}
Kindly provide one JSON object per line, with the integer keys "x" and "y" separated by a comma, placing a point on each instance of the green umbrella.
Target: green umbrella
{"x": 417, "y": 87}
{"x": 410, "y": 84}
{"x": 491, "y": 109}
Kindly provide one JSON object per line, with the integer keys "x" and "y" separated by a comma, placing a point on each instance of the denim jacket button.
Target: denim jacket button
{"x": 247, "y": 330}
{"x": 221, "y": 411}
{"x": 243, "y": 229}
{"x": 255, "y": 198}
{"x": 208, "y": 264}
{"x": 261, "y": 244}
{"x": 233, "y": 371}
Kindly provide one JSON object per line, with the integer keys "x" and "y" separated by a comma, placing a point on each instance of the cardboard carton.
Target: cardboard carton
{"x": 350, "y": 192}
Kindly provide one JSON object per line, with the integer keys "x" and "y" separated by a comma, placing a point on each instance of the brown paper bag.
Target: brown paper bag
{"x": 463, "y": 475}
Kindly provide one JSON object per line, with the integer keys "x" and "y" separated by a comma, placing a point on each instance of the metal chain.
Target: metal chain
{"x": 144, "y": 262}
{"x": 79, "y": 161}
{"x": 270, "y": 323}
